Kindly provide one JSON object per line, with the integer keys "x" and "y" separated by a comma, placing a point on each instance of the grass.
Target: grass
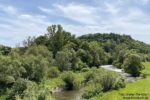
{"x": 58, "y": 82}
{"x": 2, "y": 97}
{"x": 138, "y": 87}
{"x": 147, "y": 68}
{"x": 52, "y": 83}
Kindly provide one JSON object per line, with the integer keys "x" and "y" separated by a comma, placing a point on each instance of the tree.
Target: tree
{"x": 57, "y": 38}
{"x": 29, "y": 41}
{"x": 10, "y": 71}
{"x": 132, "y": 64}
{"x": 118, "y": 62}
{"x": 43, "y": 51}
{"x": 97, "y": 53}
{"x": 4, "y": 50}
{"x": 63, "y": 60}
{"x": 36, "y": 67}
{"x": 92, "y": 54}
{"x": 41, "y": 40}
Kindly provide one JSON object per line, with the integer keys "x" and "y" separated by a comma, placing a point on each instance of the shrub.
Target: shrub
{"x": 68, "y": 78}
{"x": 120, "y": 83}
{"x": 36, "y": 68}
{"x": 34, "y": 91}
{"x": 111, "y": 80}
{"x": 71, "y": 81}
{"x": 90, "y": 75}
{"x": 84, "y": 69}
{"x": 53, "y": 72}
{"x": 18, "y": 88}
{"x": 91, "y": 90}
{"x": 107, "y": 81}
{"x": 132, "y": 64}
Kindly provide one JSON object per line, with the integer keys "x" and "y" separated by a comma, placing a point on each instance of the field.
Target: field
{"x": 147, "y": 68}
{"x": 140, "y": 88}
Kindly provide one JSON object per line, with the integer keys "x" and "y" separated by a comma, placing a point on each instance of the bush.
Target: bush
{"x": 91, "y": 90}
{"x": 36, "y": 68}
{"x": 53, "y": 72}
{"x": 33, "y": 91}
{"x": 89, "y": 76}
{"x": 110, "y": 80}
{"x": 18, "y": 88}
{"x": 71, "y": 81}
{"x": 68, "y": 78}
{"x": 132, "y": 64}
{"x": 120, "y": 83}
{"x": 84, "y": 69}
{"x": 107, "y": 81}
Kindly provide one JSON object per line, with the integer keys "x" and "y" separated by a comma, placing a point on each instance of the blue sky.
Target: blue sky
{"x": 22, "y": 18}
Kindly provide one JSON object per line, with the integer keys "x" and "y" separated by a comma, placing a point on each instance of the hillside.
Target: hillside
{"x": 113, "y": 39}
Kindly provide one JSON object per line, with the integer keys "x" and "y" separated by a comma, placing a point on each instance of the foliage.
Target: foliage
{"x": 53, "y": 72}
{"x": 69, "y": 79}
{"x": 91, "y": 90}
{"x": 57, "y": 38}
{"x": 36, "y": 68}
{"x": 63, "y": 60}
{"x": 4, "y": 50}
{"x": 18, "y": 88}
{"x": 76, "y": 62}
{"x": 132, "y": 65}
{"x": 110, "y": 81}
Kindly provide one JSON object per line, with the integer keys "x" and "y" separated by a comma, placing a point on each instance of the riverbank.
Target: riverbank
{"x": 128, "y": 77}
{"x": 58, "y": 90}
{"x": 92, "y": 81}
{"x": 139, "y": 87}
{"x": 57, "y": 86}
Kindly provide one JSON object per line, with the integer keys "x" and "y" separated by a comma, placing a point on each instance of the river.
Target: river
{"x": 75, "y": 95}
{"x": 67, "y": 95}
{"x": 128, "y": 77}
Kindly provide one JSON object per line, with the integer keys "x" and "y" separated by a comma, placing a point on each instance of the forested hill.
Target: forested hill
{"x": 104, "y": 37}
{"x": 111, "y": 40}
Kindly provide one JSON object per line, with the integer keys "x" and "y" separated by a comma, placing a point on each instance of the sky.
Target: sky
{"x": 22, "y": 18}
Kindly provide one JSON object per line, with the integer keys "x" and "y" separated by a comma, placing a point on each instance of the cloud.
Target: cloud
{"x": 120, "y": 16}
{"x": 8, "y": 9}
{"x": 20, "y": 25}
{"x": 143, "y": 2}
{"x": 83, "y": 14}
{"x": 46, "y": 10}
{"x": 112, "y": 9}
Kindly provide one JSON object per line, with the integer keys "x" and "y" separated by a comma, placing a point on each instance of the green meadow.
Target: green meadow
{"x": 141, "y": 86}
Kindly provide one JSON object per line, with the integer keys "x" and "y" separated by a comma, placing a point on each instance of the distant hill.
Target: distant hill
{"x": 117, "y": 39}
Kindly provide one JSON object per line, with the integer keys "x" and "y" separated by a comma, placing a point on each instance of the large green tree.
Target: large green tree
{"x": 58, "y": 37}
{"x": 132, "y": 64}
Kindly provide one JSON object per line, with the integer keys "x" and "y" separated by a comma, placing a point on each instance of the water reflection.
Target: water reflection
{"x": 67, "y": 95}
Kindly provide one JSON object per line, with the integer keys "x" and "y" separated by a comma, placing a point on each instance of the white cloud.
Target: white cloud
{"x": 46, "y": 10}
{"x": 143, "y": 2}
{"x": 112, "y": 9}
{"x": 78, "y": 12}
{"x": 81, "y": 13}
{"x": 20, "y": 25}
{"x": 8, "y": 9}
{"x": 118, "y": 16}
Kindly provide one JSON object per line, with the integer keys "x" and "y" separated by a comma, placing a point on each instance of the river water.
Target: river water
{"x": 76, "y": 95}
{"x": 128, "y": 77}
{"x": 67, "y": 95}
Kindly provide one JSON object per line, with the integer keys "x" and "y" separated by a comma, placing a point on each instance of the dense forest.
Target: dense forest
{"x": 29, "y": 72}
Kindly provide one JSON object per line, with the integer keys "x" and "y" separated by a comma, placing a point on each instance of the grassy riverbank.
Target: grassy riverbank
{"x": 138, "y": 87}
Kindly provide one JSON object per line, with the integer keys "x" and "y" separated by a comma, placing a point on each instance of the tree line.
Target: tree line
{"x": 59, "y": 51}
